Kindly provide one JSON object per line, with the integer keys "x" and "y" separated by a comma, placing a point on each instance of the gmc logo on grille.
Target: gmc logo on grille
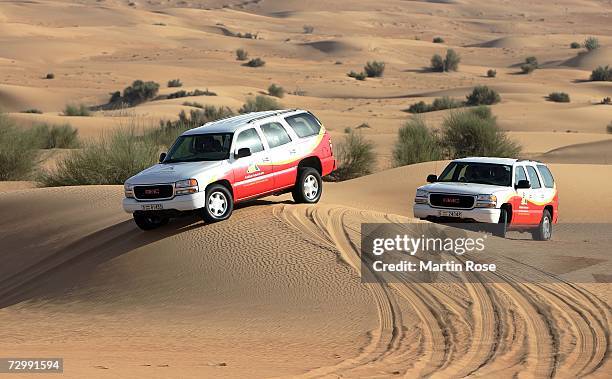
{"x": 450, "y": 200}
{"x": 152, "y": 191}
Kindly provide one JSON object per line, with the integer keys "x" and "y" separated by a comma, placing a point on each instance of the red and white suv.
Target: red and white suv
{"x": 221, "y": 163}
{"x": 517, "y": 194}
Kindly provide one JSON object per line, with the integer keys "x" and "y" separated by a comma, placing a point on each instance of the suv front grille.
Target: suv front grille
{"x": 161, "y": 191}
{"x": 451, "y": 201}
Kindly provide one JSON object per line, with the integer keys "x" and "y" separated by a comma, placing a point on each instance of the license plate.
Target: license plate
{"x": 450, "y": 213}
{"x": 152, "y": 207}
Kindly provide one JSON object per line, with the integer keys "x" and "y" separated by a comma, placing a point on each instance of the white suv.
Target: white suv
{"x": 517, "y": 194}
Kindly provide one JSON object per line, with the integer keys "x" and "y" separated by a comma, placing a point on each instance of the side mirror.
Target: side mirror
{"x": 243, "y": 152}
{"x": 162, "y": 156}
{"x": 523, "y": 184}
{"x": 431, "y": 178}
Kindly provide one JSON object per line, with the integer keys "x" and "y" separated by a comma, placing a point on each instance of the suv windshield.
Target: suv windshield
{"x": 200, "y": 147}
{"x": 480, "y": 173}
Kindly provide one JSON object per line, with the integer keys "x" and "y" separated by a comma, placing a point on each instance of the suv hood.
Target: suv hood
{"x": 463, "y": 188}
{"x": 173, "y": 172}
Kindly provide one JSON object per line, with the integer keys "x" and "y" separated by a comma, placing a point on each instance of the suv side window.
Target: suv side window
{"x": 547, "y": 178}
{"x": 304, "y": 124}
{"x": 519, "y": 174}
{"x": 533, "y": 178}
{"x": 249, "y": 138}
{"x": 275, "y": 134}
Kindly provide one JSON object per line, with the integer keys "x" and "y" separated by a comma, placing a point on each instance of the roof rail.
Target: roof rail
{"x": 271, "y": 114}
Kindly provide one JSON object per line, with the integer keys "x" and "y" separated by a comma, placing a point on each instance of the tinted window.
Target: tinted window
{"x": 474, "y": 172}
{"x": 549, "y": 181}
{"x": 519, "y": 174}
{"x": 249, "y": 138}
{"x": 200, "y": 147}
{"x": 275, "y": 134}
{"x": 304, "y": 124}
{"x": 533, "y": 178}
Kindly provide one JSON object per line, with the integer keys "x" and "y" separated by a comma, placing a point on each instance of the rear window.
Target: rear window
{"x": 275, "y": 134}
{"x": 549, "y": 181}
{"x": 533, "y": 178}
{"x": 304, "y": 124}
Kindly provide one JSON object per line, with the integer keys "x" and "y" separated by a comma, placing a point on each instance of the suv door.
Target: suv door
{"x": 253, "y": 175}
{"x": 535, "y": 196}
{"x": 521, "y": 206}
{"x": 282, "y": 154}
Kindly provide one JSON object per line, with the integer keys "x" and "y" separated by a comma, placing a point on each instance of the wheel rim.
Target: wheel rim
{"x": 311, "y": 187}
{"x": 217, "y": 204}
{"x": 546, "y": 228}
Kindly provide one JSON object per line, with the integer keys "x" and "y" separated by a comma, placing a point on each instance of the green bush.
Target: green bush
{"x": 276, "y": 91}
{"x": 242, "y": 55}
{"x": 32, "y": 110}
{"x": 475, "y": 132}
{"x": 137, "y": 93}
{"x": 491, "y": 73}
{"x": 437, "y": 63}
{"x": 374, "y": 69}
{"x": 438, "y": 40}
{"x": 575, "y": 45}
{"x": 260, "y": 103}
{"x": 175, "y": 83}
{"x": 308, "y": 29}
{"x": 55, "y": 136}
{"x": 183, "y": 93}
{"x": 357, "y": 75}
{"x": 416, "y": 143}
{"x": 256, "y": 62}
{"x": 439, "y": 103}
{"x": 170, "y": 130}
{"x": 50, "y": 76}
{"x": 531, "y": 63}
{"x": 450, "y": 63}
{"x": 193, "y": 104}
{"x": 559, "y": 97}
{"x": 606, "y": 100}
{"x": 602, "y": 74}
{"x": 17, "y": 151}
{"x": 355, "y": 156}
{"x": 591, "y": 43}
{"x": 483, "y": 95}
{"x": 76, "y": 110}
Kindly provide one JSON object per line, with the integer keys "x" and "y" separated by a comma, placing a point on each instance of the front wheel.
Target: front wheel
{"x": 308, "y": 187}
{"x": 219, "y": 204}
{"x": 544, "y": 230}
{"x": 149, "y": 221}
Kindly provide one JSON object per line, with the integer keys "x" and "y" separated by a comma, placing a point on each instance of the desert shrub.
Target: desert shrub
{"x": 363, "y": 125}
{"x": 114, "y": 97}
{"x": 575, "y": 45}
{"x": 17, "y": 151}
{"x": 183, "y": 93}
{"x": 491, "y": 73}
{"x": 32, "y": 110}
{"x": 591, "y": 43}
{"x": 416, "y": 143}
{"x": 348, "y": 130}
{"x": 193, "y": 104}
{"x": 420, "y": 107}
{"x": 449, "y": 63}
{"x": 76, "y": 110}
{"x": 475, "y": 132}
{"x": 355, "y": 156}
{"x": 437, "y": 63}
{"x": 255, "y": 62}
{"x": 168, "y": 131}
{"x": 606, "y": 100}
{"x": 439, "y": 103}
{"x": 531, "y": 63}
{"x": 260, "y": 103}
{"x": 609, "y": 128}
{"x": 276, "y": 91}
{"x": 438, "y": 40}
{"x": 247, "y": 35}
{"x": 559, "y": 97}
{"x": 175, "y": 83}
{"x": 357, "y": 75}
{"x": 137, "y": 93}
{"x": 483, "y": 95}
{"x": 50, "y": 76}
{"x": 111, "y": 159}
{"x": 308, "y": 29}
{"x": 54, "y": 136}
{"x": 374, "y": 69}
{"x": 602, "y": 74}
{"x": 242, "y": 54}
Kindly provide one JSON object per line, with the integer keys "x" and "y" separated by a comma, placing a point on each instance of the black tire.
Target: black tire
{"x": 308, "y": 187}
{"x": 544, "y": 230}
{"x": 501, "y": 229}
{"x": 219, "y": 204}
{"x": 148, "y": 221}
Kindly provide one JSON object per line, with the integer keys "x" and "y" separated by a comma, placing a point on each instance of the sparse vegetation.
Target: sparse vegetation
{"x": 450, "y": 63}
{"x": 50, "y": 76}
{"x": 416, "y": 143}
{"x": 175, "y": 83}
{"x": 609, "y": 128}
{"x": 357, "y": 75}
{"x": 255, "y": 62}
{"x": 32, "y": 110}
{"x": 531, "y": 63}
{"x": 559, "y": 97}
{"x": 308, "y": 29}
{"x": 17, "y": 155}
{"x": 606, "y": 100}
{"x": 137, "y": 93}
{"x": 591, "y": 43}
{"x": 260, "y": 103}
{"x": 355, "y": 156}
{"x": 193, "y": 104}
{"x": 440, "y": 103}
{"x": 438, "y": 40}
{"x": 247, "y": 35}
{"x": 76, "y": 110}
{"x": 602, "y": 74}
{"x": 575, "y": 45}
{"x": 483, "y": 95}
{"x": 54, "y": 136}
{"x": 491, "y": 73}
{"x": 183, "y": 93}
{"x": 276, "y": 91}
{"x": 374, "y": 69}
{"x": 437, "y": 63}
{"x": 170, "y": 130}
{"x": 242, "y": 55}
{"x": 348, "y": 129}
{"x": 363, "y": 125}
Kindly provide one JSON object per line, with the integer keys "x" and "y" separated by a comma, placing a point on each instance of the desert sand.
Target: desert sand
{"x": 275, "y": 291}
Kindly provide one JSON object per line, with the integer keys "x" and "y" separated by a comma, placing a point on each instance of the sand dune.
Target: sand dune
{"x": 590, "y": 60}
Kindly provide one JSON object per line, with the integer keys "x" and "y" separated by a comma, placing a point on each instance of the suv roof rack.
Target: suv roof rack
{"x": 271, "y": 114}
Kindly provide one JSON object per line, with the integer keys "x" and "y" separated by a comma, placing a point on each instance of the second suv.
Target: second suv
{"x": 221, "y": 163}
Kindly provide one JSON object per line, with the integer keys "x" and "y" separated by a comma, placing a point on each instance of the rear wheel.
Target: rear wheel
{"x": 308, "y": 187}
{"x": 501, "y": 228}
{"x": 147, "y": 221}
{"x": 219, "y": 204}
{"x": 544, "y": 230}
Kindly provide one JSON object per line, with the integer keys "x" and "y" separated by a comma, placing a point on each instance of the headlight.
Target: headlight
{"x": 421, "y": 196}
{"x": 186, "y": 187}
{"x": 421, "y": 193}
{"x": 128, "y": 189}
{"x": 486, "y": 201}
